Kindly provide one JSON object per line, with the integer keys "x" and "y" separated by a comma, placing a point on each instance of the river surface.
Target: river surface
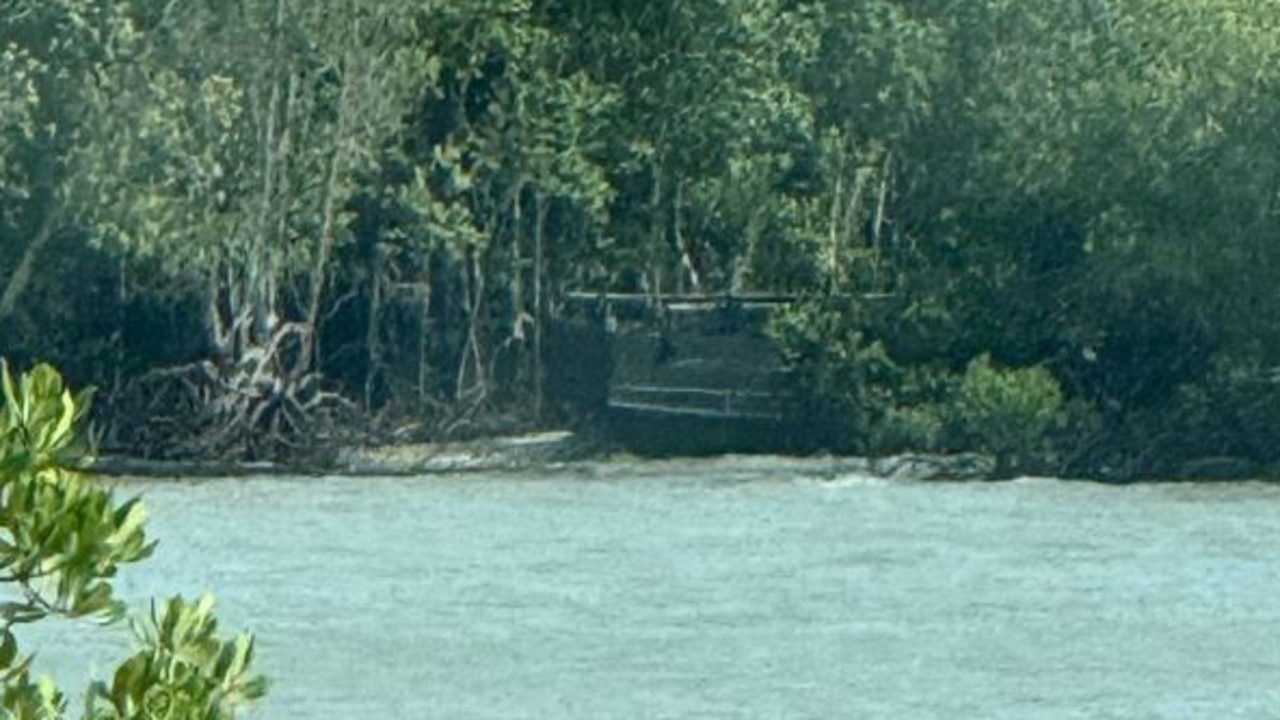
{"x": 728, "y": 588}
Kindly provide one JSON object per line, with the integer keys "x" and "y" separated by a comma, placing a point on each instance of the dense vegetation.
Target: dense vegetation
{"x": 62, "y": 539}
{"x": 1037, "y": 228}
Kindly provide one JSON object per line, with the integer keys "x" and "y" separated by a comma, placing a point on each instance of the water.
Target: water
{"x": 731, "y": 588}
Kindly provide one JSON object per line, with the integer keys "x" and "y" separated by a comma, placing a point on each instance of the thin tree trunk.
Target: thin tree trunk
{"x": 118, "y": 349}
{"x": 878, "y": 223}
{"x": 219, "y": 337}
{"x": 688, "y": 253}
{"x": 460, "y": 378}
{"x": 854, "y": 203}
{"x": 328, "y": 233}
{"x": 835, "y": 231}
{"x": 424, "y": 367}
{"x": 517, "y": 261}
{"x": 473, "y": 290}
{"x": 477, "y": 304}
{"x": 539, "y": 235}
{"x": 21, "y": 276}
{"x": 655, "y": 233}
{"x": 371, "y": 331}
{"x": 259, "y": 276}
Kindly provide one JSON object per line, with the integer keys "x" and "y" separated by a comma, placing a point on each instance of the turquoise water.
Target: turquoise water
{"x": 730, "y": 588}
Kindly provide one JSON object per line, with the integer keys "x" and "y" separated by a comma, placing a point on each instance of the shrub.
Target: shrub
{"x": 1008, "y": 412}
{"x": 855, "y": 382}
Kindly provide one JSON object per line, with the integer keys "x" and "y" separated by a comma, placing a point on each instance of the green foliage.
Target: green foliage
{"x": 878, "y": 403}
{"x": 185, "y": 670}
{"x": 1008, "y": 412}
{"x": 230, "y": 147}
{"x": 63, "y": 536}
{"x": 62, "y": 539}
{"x": 401, "y": 193}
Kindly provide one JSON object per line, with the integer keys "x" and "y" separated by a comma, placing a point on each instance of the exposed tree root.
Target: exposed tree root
{"x": 251, "y": 409}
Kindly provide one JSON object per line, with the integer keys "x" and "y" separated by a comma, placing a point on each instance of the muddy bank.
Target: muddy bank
{"x": 537, "y": 450}
{"x": 500, "y": 453}
{"x": 511, "y": 453}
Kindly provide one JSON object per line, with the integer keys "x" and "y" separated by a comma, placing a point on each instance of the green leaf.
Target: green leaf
{"x": 8, "y": 650}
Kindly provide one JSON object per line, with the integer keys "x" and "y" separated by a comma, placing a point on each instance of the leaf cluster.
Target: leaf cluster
{"x": 62, "y": 539}
{"x": 1008, "y": 412}
{"x": 184, "y": 671}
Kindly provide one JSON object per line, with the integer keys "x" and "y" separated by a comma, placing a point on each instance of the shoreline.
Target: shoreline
{"x": 532, "y": 451}
{"x": 507, "y": 452}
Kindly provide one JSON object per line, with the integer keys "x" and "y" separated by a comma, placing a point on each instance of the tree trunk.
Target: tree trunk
{"x": 516, "y": 286}
{"x": 656, "y": 225}
{"x": 835, "y": 235}
{"x": 260, "y": 270}
{"x": 424, "y": 330}
{"x": 473, "y": 291}
{"x": 371, "y": 331}
{"x": 688, "y": 252}
{"x": 328, "y": 234}
{"x": 539, "y": 235}
{"x": 878, "y": 224}
{"x": 21, "y": 276}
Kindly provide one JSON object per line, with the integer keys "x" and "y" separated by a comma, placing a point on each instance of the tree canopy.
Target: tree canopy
{"x": 286, "y": 213}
